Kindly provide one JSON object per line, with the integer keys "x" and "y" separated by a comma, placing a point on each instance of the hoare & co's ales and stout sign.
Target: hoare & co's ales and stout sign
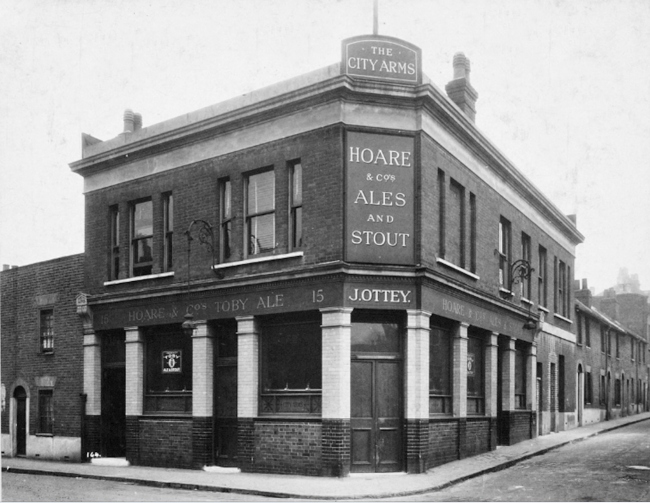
{"x": 379, "y": 217}
{"x": 383, "y": 58}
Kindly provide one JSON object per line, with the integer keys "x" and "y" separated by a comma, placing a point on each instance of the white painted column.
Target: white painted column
{"x": 202, "y": 370}
{"x": 460, "y": 370}
{"x": 134, "y": 371}
{"x": 417, "y": 364}
{"x": 491, "y": 371}
{"x": 92, "y": 373}
{"x": 336, "y": 329}
{"x": 248, "y": 353}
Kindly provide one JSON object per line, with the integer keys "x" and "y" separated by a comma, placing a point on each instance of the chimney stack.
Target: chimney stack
{"x": 459, "y": 90}
{"x": 583, "y": 294}
{"x": 128, "y": 120}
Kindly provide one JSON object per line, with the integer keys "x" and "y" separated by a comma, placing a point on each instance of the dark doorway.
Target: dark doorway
{"x": 225, "y": 394}
{"x": 376, "y": 395}
{"x": 113, "y": 418}
{"x": 21, "y": 421}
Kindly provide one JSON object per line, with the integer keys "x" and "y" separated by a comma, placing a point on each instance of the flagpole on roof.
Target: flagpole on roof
{"x": 375, "y": 17}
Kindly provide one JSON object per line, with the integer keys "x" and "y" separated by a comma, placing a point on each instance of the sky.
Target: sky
{"x": 563, "y": 92}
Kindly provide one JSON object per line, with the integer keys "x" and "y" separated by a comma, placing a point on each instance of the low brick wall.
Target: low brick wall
{"x": 165, "y": 442}
{"x": 477, "y": 436}
{"x": 288, "y": 447}
{"x": 515, "y": 426}
{"x": 443, "y": 442}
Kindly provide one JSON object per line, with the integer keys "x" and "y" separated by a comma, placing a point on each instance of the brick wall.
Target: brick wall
{"x": 443, "y": 442}
{"x": 165, "y": 442}
{"x": 335, "y": 447}
{"x": 477, "y": 436}
{"x": 288, "y": 447}
{"x": 26, "y": 291}
{"x": 417, "y": 444}
{"x": 490, "y": 205}
{"x": 320, "y": 153}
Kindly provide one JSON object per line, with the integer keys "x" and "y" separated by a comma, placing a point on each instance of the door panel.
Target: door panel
{"x": 226, "y": 412}
{"x": 113, "y": 412}
{"x": 21, "y": 426}
{"x": 376, "y": 420}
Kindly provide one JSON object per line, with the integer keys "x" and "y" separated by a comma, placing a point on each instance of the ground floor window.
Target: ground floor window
{"x": 168, "y": 370}
{"x": 291, "y": 352}
{"x": 588, "y": 389}
{"x": 440, "y": 358}
{"x": 45, "y": 411}
{"x": 475, "y": 375}
{"x": 520, "y": 378}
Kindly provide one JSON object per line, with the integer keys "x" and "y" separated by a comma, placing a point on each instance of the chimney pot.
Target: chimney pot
{"x": 137, "y": 121}
{"x": 6, "y": 267}
{"x": 128, "y": 120}
{"x": 461, "y": 66}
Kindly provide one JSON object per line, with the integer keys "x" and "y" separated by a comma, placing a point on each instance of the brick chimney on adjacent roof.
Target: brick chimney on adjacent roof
{"x": 583, "y": 294}
{"x": 459, "y": 90}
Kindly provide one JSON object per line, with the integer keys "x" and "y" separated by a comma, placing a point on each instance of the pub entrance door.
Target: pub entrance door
{"x": 113, "y": 418}
{"x": 376, "y": 395}
{"x": 225, "y": 394}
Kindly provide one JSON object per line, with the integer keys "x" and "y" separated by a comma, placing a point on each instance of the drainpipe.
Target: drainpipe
{"x": 82, "y": 400}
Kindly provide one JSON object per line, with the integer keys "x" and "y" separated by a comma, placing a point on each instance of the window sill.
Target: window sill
{"x": 44, "y": 434}
{"x": 542, "y": 308}
{"x": 267, "y": 258}
{"x": 442, "y": 261}
{"x": 506, "y": 292}
{"x": 524, "y": 300}
{"x": 560, "y": 317}
{"x": 139, "y": 278}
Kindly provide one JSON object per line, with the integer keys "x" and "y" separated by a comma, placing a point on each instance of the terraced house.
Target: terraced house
{"x": 338, "y": 273}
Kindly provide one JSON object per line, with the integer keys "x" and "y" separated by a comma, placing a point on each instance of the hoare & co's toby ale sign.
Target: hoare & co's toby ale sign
{"x": 380, "y": 209}
{"x": 381, "y": 57}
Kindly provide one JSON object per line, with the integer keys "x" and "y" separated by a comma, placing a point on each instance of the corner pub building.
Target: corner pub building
{"x": 325, "y": 276}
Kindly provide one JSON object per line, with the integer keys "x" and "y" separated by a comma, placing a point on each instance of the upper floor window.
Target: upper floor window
{"x": 456, "y": 221}
{"x": 618, "y": 352}
{"x": 142, "y": 238}
{"x": 114, "y": 245}
{"x": 168, "y": 205}
{"x": 260, "y": 213}
{"x": 603, "y": 339}
{"x": 442, "y": 227}
{"x": 632, "y": 349}
{"x": 47, "y": 331}
{"x": 525, "y": 255}
{"x": 587, "y": 333}
{"x": 580, "y": 322}
{"x": 541, "y": 277}
{"x": 504, "y": 252}
{"x": 225, "y": 220}
{"x": 561, "y": 289}
{"x": 296, "y": 206}
{"x": 472, "y": 232}
{"x": 45, "y": 411}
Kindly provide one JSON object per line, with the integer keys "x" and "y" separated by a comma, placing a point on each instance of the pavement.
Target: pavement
{"x": 357, "y": 486}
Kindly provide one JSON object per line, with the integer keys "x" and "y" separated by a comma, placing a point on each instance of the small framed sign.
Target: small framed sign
{"x": 172, "y": 361}
{"x": 470, "y": 365}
